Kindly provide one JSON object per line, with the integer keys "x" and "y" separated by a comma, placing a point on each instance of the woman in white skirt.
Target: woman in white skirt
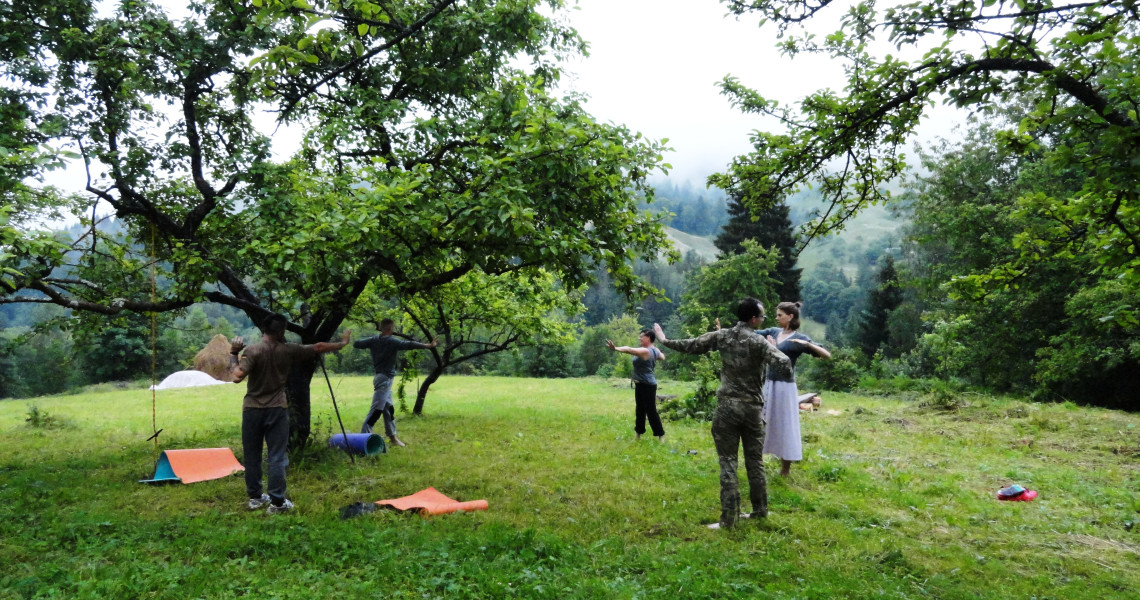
{"x": 781, "y": 397}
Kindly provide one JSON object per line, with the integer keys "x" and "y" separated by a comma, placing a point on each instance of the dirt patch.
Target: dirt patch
{"x": 1102, "y": 544}
{"x": 1066, "y": 448}
{"x": 1128, "y": 451}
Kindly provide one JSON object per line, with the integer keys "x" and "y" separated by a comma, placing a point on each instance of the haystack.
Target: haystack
{"x": 214, "y": 359}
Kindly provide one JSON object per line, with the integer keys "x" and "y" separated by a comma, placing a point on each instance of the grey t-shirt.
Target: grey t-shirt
{"x": 643, "y": 368}
{"x": 793, "y": 350}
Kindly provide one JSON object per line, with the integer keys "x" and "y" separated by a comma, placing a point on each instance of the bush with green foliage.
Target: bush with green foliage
{"x": 1100, "y": 364}
{"x": 700, "y": 404}
{"x": 39, "y": 362}
{"x": 714, "y": 290}
{"x": 840, "y": 374}
{"x": 591, "y": 353}
{"x": 42, "y": 419}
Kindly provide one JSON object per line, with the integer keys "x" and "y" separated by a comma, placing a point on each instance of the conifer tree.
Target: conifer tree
{"x": 872, "y": 332}
{"x": 772, "y": 229}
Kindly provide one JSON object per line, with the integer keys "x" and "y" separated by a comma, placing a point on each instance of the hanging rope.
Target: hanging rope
{"x": 153, "y": 348}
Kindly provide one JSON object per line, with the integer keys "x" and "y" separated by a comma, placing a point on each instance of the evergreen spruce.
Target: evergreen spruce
{"x": 773, "y": 229}
{"x": 872, "y": 332}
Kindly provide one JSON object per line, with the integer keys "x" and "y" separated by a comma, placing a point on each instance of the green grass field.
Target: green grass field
{"x": 893, "y": 500}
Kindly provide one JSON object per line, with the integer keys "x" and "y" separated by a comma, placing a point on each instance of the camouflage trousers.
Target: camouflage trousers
{"x": 737, "y": 422}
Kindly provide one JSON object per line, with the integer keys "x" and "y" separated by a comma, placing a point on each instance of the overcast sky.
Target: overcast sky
{"x": 654, "y": 66}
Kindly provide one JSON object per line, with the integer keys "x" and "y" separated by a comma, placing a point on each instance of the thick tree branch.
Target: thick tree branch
{"x": 1113, "y": 217}
{"x": 1015, "y": 15}
{"x": 116, "y": 305}
{"x": 194, "y": 140}
{"x": 807, "y": 9}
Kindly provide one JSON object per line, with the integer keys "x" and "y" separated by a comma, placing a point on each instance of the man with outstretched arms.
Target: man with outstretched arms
{"x": 265, "y": 412}
{"x": 384, "y": 348}
{"x": 740, "y": 398}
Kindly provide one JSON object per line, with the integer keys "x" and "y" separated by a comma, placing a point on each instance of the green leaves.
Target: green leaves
{"x": 1069, "y": 74}
{"x": 850, "y": 146}
{"x": 425, "y": 156}
{"x": 714, "y": 291}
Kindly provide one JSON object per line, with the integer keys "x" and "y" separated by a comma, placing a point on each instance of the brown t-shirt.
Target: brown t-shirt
{"x": 267, "y": 364}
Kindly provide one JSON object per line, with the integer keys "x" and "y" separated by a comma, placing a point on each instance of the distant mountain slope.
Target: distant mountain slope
{"x": 685, "y": 243}
{"x": 874, "y": 227}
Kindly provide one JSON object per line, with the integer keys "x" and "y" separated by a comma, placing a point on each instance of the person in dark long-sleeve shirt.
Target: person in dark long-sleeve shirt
{"x": 740, "y": 399}
{"x": 384, "y": 349}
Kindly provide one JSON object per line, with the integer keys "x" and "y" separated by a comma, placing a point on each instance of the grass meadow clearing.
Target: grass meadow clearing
{"x": 894, "y": 499}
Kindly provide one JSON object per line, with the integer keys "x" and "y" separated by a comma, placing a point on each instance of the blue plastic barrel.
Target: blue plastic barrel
{"x": 365, "y": 444}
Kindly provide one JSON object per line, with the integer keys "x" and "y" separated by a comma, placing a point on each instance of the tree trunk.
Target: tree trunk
{"x": 297, "y": 390}
{"x": 421, "y": 394}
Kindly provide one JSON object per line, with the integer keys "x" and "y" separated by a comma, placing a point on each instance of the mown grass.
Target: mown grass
{"x": 893, "y": 500}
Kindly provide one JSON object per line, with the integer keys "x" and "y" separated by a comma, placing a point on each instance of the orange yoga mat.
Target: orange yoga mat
{"x": 194, "y": 465}
{"x": 432, "y": 502}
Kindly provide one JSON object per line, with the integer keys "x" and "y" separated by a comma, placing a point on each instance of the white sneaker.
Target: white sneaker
{"x": 256, "y": 503}
{"x": 284, "y": 508}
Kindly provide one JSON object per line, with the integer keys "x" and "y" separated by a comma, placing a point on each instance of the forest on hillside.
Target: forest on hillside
{"x": 468, "y": 197}
{"x": 868, "y": 290}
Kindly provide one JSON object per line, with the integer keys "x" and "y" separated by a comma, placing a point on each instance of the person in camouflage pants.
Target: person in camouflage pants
{"x": 740, "y": 398}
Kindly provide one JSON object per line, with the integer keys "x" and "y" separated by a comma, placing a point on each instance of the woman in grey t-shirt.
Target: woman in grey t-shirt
{"x": 645, "y": 359}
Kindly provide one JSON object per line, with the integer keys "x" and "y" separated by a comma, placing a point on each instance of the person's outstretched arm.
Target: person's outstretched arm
{"x": 813, "y": 348}
{"x": 639, "y": 352}
{"x": 698, "y": 345}
{"x": 236, "y": 372}
{"x": 323, "y": 347}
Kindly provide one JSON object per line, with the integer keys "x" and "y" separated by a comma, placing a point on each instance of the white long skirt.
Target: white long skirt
{"x": 782, "y": 415}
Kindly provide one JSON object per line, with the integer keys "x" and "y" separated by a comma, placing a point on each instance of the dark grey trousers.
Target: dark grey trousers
{"x": 381, "y": 406}
{"x": 645, "y": 400}
{"x": 271, "y": 427}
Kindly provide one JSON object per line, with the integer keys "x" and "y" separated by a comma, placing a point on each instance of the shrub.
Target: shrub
{"x": 840, "y": 374}
{"x": 42, "y": 419}
{"x": 944, "y": 397}
{"x": 699, "y": 404}
{"x": 623, "y": 368}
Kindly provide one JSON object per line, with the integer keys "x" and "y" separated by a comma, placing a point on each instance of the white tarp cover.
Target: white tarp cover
{"x": 184, "y": 379}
